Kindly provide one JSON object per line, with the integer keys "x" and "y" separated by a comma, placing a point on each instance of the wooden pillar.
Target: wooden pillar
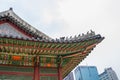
{"x": 36, "y": 69}
{"x": 60, "y": 68}
{"x": 60, "y": 73}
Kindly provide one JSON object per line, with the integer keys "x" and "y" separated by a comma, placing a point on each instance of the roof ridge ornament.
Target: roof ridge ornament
{"x": 11, "y": 9}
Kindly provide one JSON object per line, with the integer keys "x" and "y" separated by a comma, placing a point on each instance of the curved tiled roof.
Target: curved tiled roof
{"x": 11, "y": 17}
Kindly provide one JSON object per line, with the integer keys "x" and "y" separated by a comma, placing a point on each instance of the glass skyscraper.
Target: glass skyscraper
{"x": 108, "y": 74}
{"x": 86, "y": 73}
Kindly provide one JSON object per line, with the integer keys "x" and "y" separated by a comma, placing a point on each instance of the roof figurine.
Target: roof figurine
{"x": 11, "y": 8}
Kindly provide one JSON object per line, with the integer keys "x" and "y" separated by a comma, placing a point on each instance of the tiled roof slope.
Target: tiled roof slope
{"x": 10, "y": 16}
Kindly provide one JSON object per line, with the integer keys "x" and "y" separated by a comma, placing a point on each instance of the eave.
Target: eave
{"x": 75, "y": 51}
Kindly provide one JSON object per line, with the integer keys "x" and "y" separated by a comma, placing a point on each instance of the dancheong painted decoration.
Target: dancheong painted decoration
{"x": 28, "y": 54}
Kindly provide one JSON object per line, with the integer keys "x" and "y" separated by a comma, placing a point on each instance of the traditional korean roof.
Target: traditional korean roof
{"x": 22, "y": 51}
{"x": 11, "y": 17}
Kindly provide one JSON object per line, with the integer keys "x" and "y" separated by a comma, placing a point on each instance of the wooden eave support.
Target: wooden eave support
{"x": 73, "y": 62}
{"x": 61, "y": 48}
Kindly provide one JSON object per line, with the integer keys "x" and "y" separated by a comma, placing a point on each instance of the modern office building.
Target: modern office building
{"x": 69, "y": 76}
{"x": 108, "y": 74}
{"x": 86, "y": 73}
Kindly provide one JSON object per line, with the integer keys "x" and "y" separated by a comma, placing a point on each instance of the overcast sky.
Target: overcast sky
{"x": 58, "y": 18}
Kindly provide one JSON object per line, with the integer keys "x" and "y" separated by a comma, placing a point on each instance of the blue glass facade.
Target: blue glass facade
{"x": 86, "y": 73}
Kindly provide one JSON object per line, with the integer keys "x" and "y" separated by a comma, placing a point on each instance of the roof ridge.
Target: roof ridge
{"x": 12, "y": 13}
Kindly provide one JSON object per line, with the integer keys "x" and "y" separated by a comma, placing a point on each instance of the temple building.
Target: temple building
{"x": 28, "y": 54}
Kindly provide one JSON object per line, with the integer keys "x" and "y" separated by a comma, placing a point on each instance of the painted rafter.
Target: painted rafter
{"x": 24, "y": 46}
{"x": 73, "y": 62}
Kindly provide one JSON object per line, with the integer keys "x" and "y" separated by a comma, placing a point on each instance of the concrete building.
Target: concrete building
{"x": 108, "y": 74}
